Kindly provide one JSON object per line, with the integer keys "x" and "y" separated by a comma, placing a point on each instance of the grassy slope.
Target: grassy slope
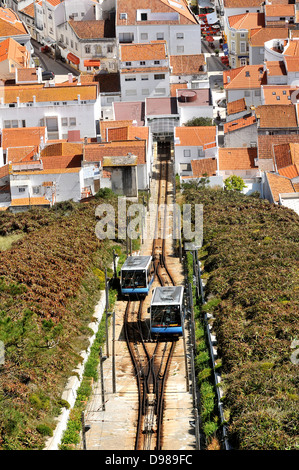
{"x": 250, "y": 258}
{"x": 48, "y": 289}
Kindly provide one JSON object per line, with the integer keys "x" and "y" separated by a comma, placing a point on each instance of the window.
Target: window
{"x": 187, "y": 153}
{"x": 64, "y": 121}
{"x": 72, "y": 44}
{"x": 123, "y": 16}
{"x": 257, "y": 92}
{"x": 242, "y": 35}
{"x": 22, "y": 189}
{"x": 180, "y": 35}
{"x": 72, "y": 121}
{"x": 243, "y": 62}
{"x": 128, "y": 64}
{"x": 156, "y": 62}
{"x": 242, "y": 46}
{"x": 160, "y": 91}
{"x": 142, "y": 62}
{"x": 61, "y": 38}
{"x": 109, "y": 49}
{"x": 67, "y": 41}
{"x": 144, "y": 77}
{"x": 130, "y": 79}
{"x": 131, "y": 92}
{"x": 36, "y": 189}
{"x": 247, "y": 93}
{"x": 160, "y": 36}
{"x": 98, "y": 50}
{"x": 144, "y": 36}
{"x": 180, "y": 49}
{"x": 200, "y": 152}
{"x": 159, "y": 76}
{"x": 87, "y": 49}
{"x": 233, "y": 47}
{"x": 76, "y": 46}
{"x": 143, "y": 16}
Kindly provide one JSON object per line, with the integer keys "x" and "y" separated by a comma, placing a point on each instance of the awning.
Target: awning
{"x": 92, "y": 63}
{"x": 73, "y": 58}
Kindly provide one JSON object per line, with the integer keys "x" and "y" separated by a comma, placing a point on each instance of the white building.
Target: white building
{"x": 144, "y": 70}
{"x": 169, "y": 20}
{"x": 60, "y": 107}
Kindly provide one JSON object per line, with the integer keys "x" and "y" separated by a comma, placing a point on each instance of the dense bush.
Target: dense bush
{"x": 250, "y": 258}
{"x": 48, "y": 291}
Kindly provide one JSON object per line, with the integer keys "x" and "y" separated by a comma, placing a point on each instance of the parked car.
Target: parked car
{"x": 47, "y": 75}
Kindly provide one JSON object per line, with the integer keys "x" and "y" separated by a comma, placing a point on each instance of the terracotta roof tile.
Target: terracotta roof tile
{"x": 291, "y": 171}
{"x": 33, "y": 201}
{"x": 239, "y": 124}
{"x": 23, "y": 136}
{"x": 12, "y": 50}
{"x": 29, "y": 10}
{"x": 54, "y": 93}
{"x": 249, "y": 76}
{"x": 241, "y": 3}
{"x": 275, "y": 68}
{"x": 237, "y": 158}
{"x": 187, "y": 64}
{"x": 96, "y": 152}
{"x": 93, "y": 29}
{"x": 279, "y": 10}
{"x": 247, "y": 21}
{"x": 19, "y": 154}
{"x": 276, "y": 116}
{"x": 262, "y": 35}
{"x": 266, "y": 143}
{"x": 4, "y": 171}
{"x": 204, "y": 166}
{"x": 62, "y": 149}
{"x": 104, "y": 125}
{"x": 278, "y": 185}
{"x": 236, "y": 106}
{"x": 155, "y": 6}
{"x": 292, "y": 63}
{"x": 203, "y": 136}
{"x": 10, "y": 24}
{"x": 274, "y": 94}
{"x": 155, "y": 50}
{"x": 292, "y": 48}
{"x": 177, "y": 86}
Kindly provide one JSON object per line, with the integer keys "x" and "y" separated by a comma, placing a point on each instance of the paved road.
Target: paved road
{"x": 48, "y": 63}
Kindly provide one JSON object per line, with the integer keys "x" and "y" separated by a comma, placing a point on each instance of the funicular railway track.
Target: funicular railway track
{"x": 151, "y": 359}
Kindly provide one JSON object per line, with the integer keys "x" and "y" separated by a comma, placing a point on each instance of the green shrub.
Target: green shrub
{"x": 44, "y": 430}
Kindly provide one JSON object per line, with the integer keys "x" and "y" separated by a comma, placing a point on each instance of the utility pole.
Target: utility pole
{"x": 107, "y": 306}
{"x": 113, "y": 355}
{"x": 84, "y": 430}
{"x": 102, "y": 379}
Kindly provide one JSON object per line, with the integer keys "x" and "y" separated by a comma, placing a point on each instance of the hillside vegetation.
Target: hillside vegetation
{"x": 250, "y": 261}
{"x": 50, "y": 281}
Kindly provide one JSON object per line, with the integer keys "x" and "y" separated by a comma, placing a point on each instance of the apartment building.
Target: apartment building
{"x": 156, "y": 20}
{"x": 60, "y": 107}
{"x": 144, "y": 70}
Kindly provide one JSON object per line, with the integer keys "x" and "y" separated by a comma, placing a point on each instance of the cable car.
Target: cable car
{"x": 137, "y": 275}
{"x": 167, "y": 310}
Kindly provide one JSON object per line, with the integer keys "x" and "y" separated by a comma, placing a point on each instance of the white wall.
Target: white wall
{"x": 189, "y": 112}
{"x": 143, "y": 88}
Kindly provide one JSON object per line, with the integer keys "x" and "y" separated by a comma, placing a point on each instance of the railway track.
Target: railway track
{"x": 151, "y": 358}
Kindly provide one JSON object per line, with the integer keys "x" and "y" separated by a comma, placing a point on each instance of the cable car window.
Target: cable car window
{"x": 132, "y": 278}
{"x": 166, "y": 315}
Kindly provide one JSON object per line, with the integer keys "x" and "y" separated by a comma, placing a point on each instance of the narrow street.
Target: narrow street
{"x": 48, "y": 63}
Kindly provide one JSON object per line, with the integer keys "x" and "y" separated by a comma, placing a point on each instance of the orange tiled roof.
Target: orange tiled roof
{"x": 20, "y": 154}
{"x": 281, "y": 94}
{"x": 236, "y": 106}
{"x": 10, "y": 24}
{"x": 53, "y": 93}
{"x": 266, "y": 143}
{"x": 177, "y": 86}
{"x": 249, "y": 76}
{"x": 276, "y": 116}
{"x": 4, "y": 171}
{"x": 280, "y": 10}
{"x": 292, "y": 64}
{"x": 26, "y": 136}
{"x": 27, "y": 74}
{"x": 188, "y": 64}
{"x": 262, "y": 35}
{"x": 279, "y": 184}
{"x": 291, "y": 171}
{"x": 275, "y": 68}
{"x": 65, "y": 149}
{"x": 239, "y": 124}
{"x": 96, "y": 152}
{"x": 204, "y": 166}
{"x": 92, "y": 29}
{"x": 104, "y": 125}
{"x": 241, "y": 3}
{"x": 29, "y": 10}
{"x": 203, "y": 136}
{"x": 292, "y": 48}
{"x": 155, "y": 50}
{"x": 155, "y": 6}
{"x": 32, "y": 201}
{"x": 237, "y": 158}
{"x": 247, "y": 21}
{"x": 12, "y": 50}
{"x": 145, "y": 69}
